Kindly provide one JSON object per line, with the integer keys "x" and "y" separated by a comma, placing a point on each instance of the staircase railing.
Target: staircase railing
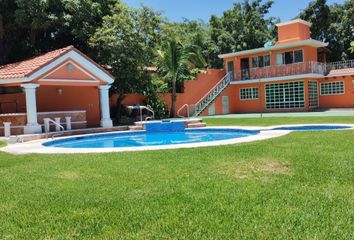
{"x": 188, "y": 108}
{"x": 212, "y": 94}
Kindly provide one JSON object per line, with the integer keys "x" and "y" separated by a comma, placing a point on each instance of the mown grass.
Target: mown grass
{"x": 269, "y": 121}
{"x": 299, "y": 186}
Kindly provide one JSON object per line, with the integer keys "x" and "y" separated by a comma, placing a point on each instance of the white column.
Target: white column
{"x": 31, "y": 108}
{"x": 68, "y": 123}
{"x": 106, "y": 120}
{"x": 57, "y": 120}
{"x": 7, "y": 129}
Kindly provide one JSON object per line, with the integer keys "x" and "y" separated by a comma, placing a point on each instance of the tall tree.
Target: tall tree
{"x": 175, "y": 62}
{"x": 126, "y": 42}
{"x": 31, "y": 27}
{"x": 245, "y": 26}
{"x": 332, "y": 24}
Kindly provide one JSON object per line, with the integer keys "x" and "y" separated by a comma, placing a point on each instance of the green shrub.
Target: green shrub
{"x": 159, "y": 106}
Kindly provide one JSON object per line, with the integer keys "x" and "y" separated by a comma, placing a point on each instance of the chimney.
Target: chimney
{"x": 293, "y": 31}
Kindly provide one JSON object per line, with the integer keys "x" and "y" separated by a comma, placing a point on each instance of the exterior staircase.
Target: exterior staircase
{"x": 210, "y": 96}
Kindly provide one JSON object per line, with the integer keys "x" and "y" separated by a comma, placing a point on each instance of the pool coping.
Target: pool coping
{"x": 265, "y": 133}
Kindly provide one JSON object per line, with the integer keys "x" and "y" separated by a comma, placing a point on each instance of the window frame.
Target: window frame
{"x": 252, "y": 93}
{"x": 258, "y": 61}
{"x": 332, "y": 82}
{"x": 298, "y": 104}
{"x": 293, "y": 57}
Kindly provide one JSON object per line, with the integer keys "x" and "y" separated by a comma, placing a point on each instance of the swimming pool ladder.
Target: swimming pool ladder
{"x": 47, "y": 128}
{"x": 188, "y": 108}
{"x": 148, "y": 109}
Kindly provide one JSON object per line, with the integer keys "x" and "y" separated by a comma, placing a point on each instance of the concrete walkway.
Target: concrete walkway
{"x": 326, "y": 113}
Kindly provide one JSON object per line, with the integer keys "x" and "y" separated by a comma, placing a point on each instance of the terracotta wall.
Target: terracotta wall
{"x": 71, "y": 98}
{"x": 129, "y": 100}
{"x": 8, "y": 103}
{"x": 310, "y": 55}
{"x": 293, "y": 32}
{"x": 345, "y": 100}
{"x": 236, "y": 105}
{"x": 194, "y": 90}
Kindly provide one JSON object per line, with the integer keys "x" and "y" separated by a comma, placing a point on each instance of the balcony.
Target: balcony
{"x": 281, "y": 71}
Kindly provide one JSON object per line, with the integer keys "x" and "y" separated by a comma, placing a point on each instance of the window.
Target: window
{"x": 313, "y": 94}
{"x": 290, "y": 57}
{"x": 10, "y": 90}
{"x": 255, "y": 62}
{"x": 266, "y": 60}
{"x": 261, "y": 61}
{"x": 332, "y": 88}
{"x": 285, "y": 95}
{"x": 248, "y": 93}
{"x": 298, "y": 56}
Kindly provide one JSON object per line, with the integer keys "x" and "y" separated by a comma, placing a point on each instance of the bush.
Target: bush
{"x": 159, "y": 106}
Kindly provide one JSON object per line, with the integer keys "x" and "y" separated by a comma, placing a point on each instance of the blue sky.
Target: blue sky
{"x": 175, "y": 10}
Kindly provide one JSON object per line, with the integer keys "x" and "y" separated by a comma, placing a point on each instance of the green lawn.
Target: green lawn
{"x": 300, "y": 186}
{"x": 269, "y": 121}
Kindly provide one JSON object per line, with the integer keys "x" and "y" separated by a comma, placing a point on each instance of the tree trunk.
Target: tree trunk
{"x": 119, "y": 101}
{"x": 2, "y": 47}
{"x": 173, "y": 99}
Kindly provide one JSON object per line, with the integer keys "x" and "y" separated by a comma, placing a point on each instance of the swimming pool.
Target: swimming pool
{"x": 163, "y": 138}
{"x": 140, "y": 139}
{"x": 312, "y": 127}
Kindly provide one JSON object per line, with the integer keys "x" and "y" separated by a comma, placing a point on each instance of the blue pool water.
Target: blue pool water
{"x": 312, "y": 127}
{"x": 138, "y": 139}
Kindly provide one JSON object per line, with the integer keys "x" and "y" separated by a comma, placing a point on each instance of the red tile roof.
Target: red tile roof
{"x": 25, "y": 68}
{"x": 345, "y": 71}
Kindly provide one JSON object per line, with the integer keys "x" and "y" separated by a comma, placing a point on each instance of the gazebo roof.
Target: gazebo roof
{"x": 22, "y": 71}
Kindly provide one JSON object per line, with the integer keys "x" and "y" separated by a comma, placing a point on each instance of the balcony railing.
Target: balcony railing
{"x": 339, "y": 65}
{"x": 281, "y": 71}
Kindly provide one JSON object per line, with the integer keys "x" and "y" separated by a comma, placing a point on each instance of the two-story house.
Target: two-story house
{"x": 287, "y": 76}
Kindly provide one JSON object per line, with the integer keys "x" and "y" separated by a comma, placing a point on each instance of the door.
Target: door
{"x": 245, "y": 68}
{"x": 230, "y": 68}
{"x": 313, "y": 94}
{"x": 211, "y": 109}
{"x": 225, "y": 104}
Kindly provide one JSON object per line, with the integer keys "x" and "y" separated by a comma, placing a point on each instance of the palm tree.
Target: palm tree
{"x": 175, "y": 62}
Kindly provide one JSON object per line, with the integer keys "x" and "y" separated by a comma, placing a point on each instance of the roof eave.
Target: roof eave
{"x": 4, "y": 81}
{"x": 309, "y": 42}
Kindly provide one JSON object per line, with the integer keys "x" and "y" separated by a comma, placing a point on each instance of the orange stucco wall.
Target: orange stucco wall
{"x": 72, "y": 98}
{"x": 310, "y": 55}
{"x": 8, "y": 102}
{"x": 49, "y": 99}
{"x": 293, "y": 32}
{"x": 194, "y": 90}
{"x": 63, "y": 73}
{"x": 236, "y": 105}
{"x": 61, "y": 76}
{"x": 129, "y": 100}
{"x": 345, "y": 100}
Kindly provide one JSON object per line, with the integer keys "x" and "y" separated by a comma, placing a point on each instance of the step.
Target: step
{"x": 73, "y": 132}
{"x": 139, "y": 123}
{"x": 136, "y": 128}
{"x": 196, "y": 125}
{"x": 194, "y": 120}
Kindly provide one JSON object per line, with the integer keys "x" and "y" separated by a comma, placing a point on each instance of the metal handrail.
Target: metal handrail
{"x": 146, "y": 108}
{"x": 210, "y": 96}
{"x": 281, "y": 71}
{"x": 56, "y": 124}
{"x": 211, "y": 90}
{"x": 181, "y": 108}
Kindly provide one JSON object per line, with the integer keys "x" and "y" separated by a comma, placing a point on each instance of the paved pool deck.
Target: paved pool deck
{"x": 326, "y": 113}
